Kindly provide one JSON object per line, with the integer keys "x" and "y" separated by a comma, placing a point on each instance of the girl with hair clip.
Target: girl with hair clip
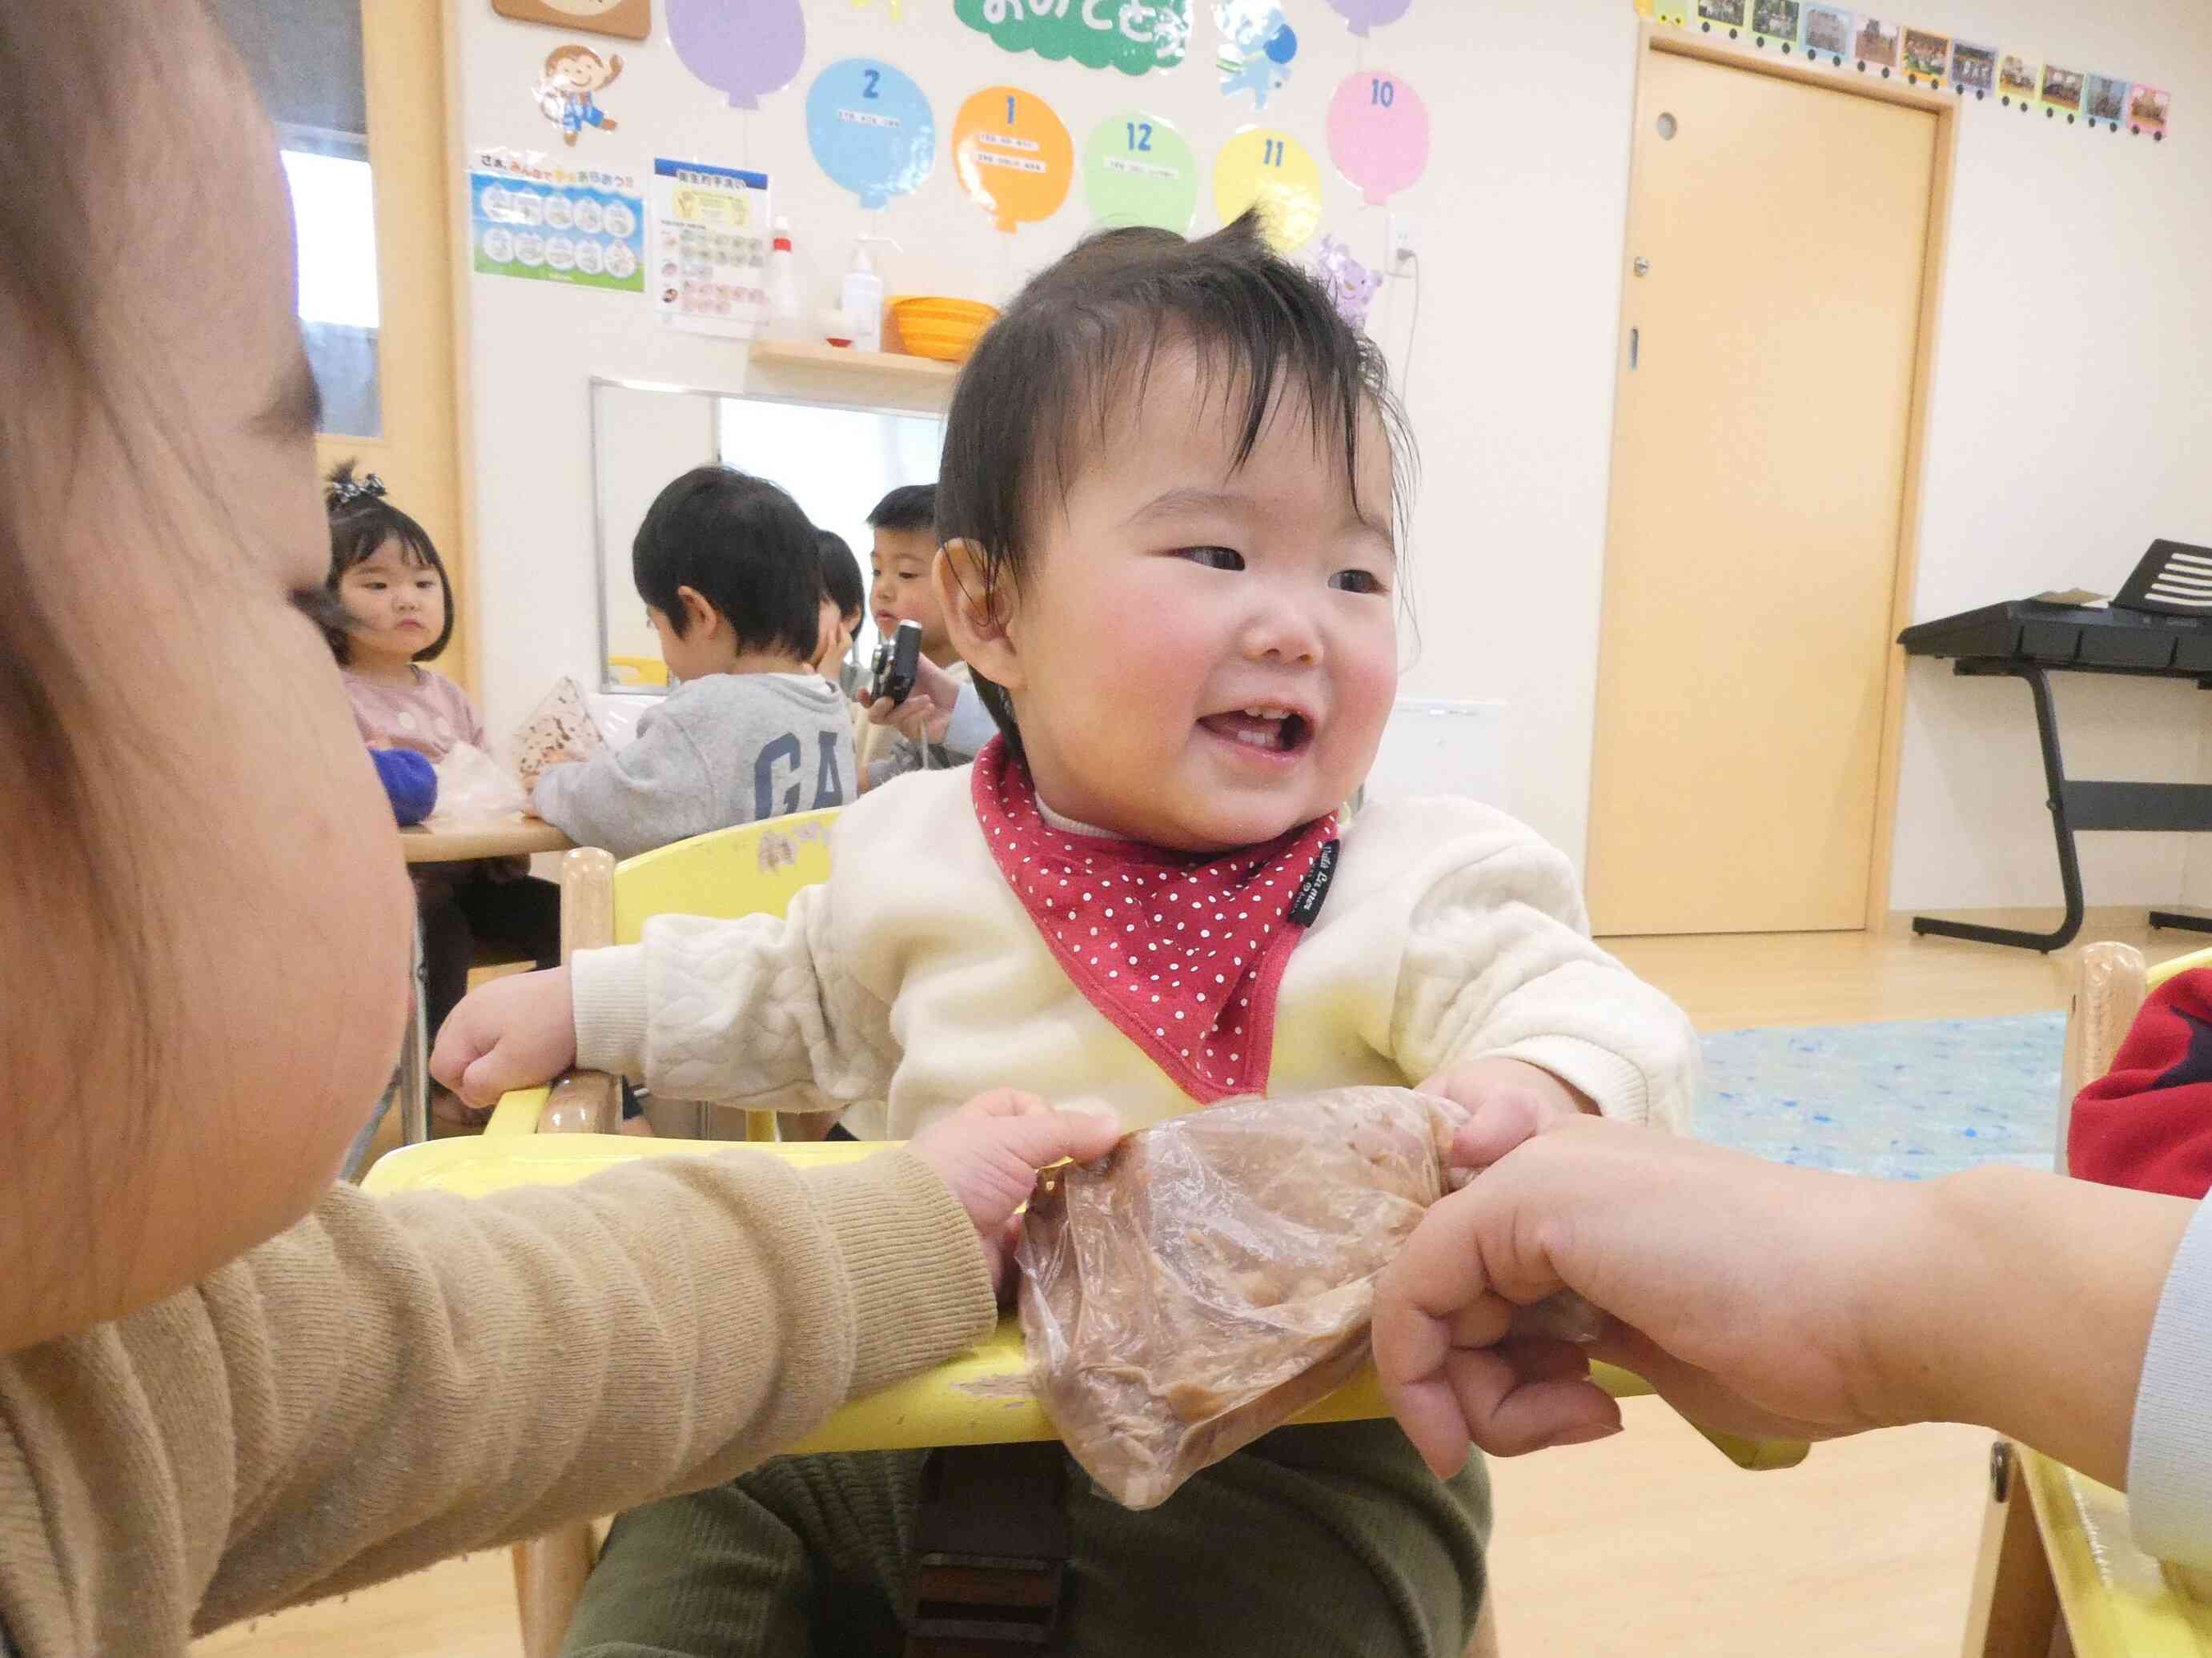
{"x": 398, "y": 613}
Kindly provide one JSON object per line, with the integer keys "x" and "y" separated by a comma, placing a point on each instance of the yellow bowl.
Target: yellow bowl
{"x": 932, "y": 325}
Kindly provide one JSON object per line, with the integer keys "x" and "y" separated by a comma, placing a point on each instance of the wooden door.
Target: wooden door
{"x": 357, "y": 90}
{"x": 1776, "y": 245}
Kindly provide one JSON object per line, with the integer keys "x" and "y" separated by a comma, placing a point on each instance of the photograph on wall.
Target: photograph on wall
{"x": 2062, "y": 89}
{"x": 2017, "y": 78}
{"x": 1724, "y": 13}
{"x": 1876, "y": 44}
{"x": 631, "y": 19}
{"x": 1776, "y": 17}
{"x": 710, "y": 247}
{"x": 1827, "y": 30}
{"x": 542, "y": 222}
{"x": 2148, "y": 109}
{"x": 1974, "y": 68}
{"x": 2105, "y": 98}
{"x": 1927, "y": 54}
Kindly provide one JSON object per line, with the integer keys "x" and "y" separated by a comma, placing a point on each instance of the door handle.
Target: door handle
{"x": 1635, "y": 348}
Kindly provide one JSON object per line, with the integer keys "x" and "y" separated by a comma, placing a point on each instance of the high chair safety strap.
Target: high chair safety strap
{"x": 991, "y": 1546}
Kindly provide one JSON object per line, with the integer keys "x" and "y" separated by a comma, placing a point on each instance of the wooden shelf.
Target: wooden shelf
{"x": 817, "y": 353}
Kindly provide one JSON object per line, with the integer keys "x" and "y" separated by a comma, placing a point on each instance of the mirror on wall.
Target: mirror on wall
{"x": 837, "y": 461}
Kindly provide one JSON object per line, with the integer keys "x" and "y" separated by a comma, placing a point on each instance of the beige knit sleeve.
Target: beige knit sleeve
{"x": 391, "y": 1382}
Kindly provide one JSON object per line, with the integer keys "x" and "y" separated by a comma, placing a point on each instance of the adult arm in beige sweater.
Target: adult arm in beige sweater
{"x": 387, "y": 1383}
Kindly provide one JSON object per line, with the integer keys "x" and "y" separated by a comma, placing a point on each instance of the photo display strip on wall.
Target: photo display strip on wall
{"x": 545, "y": 221}
{"x": 2011, "y": 79}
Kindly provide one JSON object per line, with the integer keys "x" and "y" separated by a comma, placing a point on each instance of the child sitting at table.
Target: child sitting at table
{"x": 844, "y": 601}
{"x": 1172, "y": 520}
{"x": 945, "y": 713}
{"x": 398, "y": 614}
{"x": 731, "y": 573}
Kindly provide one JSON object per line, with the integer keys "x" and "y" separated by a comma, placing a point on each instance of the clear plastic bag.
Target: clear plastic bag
{"x": 1211, "y": 1276}
{"x": 473, "y": 786}
{"x": 560, "y": 729}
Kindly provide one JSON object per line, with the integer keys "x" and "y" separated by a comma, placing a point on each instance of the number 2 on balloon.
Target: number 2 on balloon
{"x": 871, "y": 79}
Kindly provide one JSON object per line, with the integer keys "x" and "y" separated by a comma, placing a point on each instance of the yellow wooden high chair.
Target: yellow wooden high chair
{"x": 557, "y": 1135}
{"x": 639, "y": 670}
{"x": 2059, "y": 1572}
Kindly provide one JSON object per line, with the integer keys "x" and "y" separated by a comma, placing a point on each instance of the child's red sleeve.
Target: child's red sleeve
{"x": 2147, "y": 1123}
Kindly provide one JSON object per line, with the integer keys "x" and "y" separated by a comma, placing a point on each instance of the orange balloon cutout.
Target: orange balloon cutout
{"x": 1013, "y": 155}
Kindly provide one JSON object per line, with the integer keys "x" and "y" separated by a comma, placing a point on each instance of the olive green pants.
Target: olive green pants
{"x": 1321, "y": 1542}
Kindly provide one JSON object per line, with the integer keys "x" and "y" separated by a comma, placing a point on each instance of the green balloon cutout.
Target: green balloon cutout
{"x": 1138, "y": 169}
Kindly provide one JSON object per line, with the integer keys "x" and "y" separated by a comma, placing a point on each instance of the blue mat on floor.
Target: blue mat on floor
{"x": 1910, "y": 1100}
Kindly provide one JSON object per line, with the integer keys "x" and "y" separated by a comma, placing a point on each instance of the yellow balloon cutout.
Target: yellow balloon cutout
{"x": 1269, "y": 166}
{"x": 1013, "y": 155}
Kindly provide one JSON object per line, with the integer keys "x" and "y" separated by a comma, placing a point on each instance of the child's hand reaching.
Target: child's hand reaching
{"x": 1528, "y": 1097}
{"x": 926, "y": 713}
{"x": 989, "y": 1150}
{"x": 513, "y": 1033}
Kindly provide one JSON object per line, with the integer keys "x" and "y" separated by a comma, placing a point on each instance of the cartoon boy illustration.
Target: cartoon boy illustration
{"x": 573, "y": 74}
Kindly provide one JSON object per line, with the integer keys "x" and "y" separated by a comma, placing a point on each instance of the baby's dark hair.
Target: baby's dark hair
{"x": 1078, "y": 344}
{"x": 362, "y": 521}
{"x": 840, "y": 575}
{"x": 744, "y": 547}
{"x": 909, "y": 506}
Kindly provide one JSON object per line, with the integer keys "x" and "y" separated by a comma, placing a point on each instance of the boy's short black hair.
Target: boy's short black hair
{"x": 1048, "y": 378}
{"x": 909, "y": 506}
{"x": 840, "y": 575}
{"x": 362, "y": 521}
{"x": 744, "y": 547}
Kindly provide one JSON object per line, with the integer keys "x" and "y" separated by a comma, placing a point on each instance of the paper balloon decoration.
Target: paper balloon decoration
{"x": 741, "y": 48}
{"x": 1365, "y": 15}
{"x": 1266, "y": 166}
{"x": 1137, "y": 169}
{"x": 1013, "y": 155}
{"x": 1378, "y": 133}
{"x": 1133, "y": 36}
{"x": 871, "y": 130}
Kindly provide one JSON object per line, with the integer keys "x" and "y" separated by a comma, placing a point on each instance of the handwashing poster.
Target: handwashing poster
{"x": 546, "y": 222}
{"x": 710, "y": 246}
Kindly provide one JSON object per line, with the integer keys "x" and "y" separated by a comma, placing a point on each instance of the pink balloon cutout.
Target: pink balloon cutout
{"x": 741, "y": 48}
{"x": 1378, "y": 133}
{"x": 1363, "y": 15}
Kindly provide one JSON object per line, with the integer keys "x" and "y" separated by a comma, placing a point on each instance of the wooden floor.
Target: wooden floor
{"x": 1644, "y": 1544}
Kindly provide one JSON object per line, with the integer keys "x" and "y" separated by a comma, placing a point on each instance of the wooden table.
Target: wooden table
{"x": 512, "y": 836}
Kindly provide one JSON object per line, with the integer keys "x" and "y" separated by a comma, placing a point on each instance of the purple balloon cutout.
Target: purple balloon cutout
{"x": 743, "y": 48}
{"x": 1363, "y": 15}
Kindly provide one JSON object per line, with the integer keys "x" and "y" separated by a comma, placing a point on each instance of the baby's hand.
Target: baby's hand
{"x": 988, "y": 1153}
{"x": 1506, "y": 1101}
{"x": 513, "y": 1033}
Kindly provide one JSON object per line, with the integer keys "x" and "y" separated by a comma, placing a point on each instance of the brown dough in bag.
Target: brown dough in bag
{"x": 1211, "y": 1276}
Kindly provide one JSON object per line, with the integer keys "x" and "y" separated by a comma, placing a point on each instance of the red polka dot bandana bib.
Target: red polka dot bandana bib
{"x": 1184, "y": 953}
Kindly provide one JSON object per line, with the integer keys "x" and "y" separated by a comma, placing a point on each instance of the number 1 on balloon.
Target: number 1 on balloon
{"x": 1010, "y": 109}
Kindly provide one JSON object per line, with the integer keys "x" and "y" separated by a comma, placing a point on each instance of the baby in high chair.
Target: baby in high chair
{"x": 1170, "y": 510}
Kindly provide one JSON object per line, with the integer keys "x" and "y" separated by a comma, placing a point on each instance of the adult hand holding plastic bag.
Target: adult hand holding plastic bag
{"x": 1211, "y": 1276}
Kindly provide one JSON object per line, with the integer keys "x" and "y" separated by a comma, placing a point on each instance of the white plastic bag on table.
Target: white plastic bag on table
{"x": 473, "y": 786}
{"x": 560, "y": 729}
{"x": 1211, "y": 1276}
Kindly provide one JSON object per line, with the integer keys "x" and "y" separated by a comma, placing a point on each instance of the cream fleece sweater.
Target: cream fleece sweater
{"x": 914, "y": 980}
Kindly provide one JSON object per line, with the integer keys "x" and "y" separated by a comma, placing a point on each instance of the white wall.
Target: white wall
{"x": 2047, "y": 466}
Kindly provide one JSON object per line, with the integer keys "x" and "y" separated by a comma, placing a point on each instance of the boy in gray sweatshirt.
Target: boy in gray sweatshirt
{"x": 731, "y": 575}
